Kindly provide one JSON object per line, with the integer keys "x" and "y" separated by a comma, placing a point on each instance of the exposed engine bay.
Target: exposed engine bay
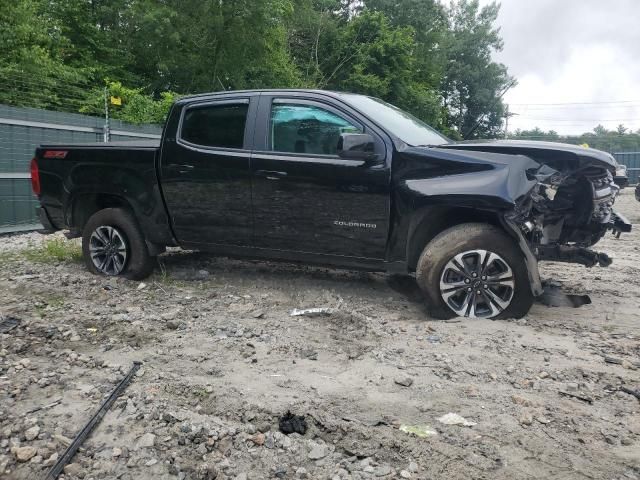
{"x": 570, "y": 207}
{"x": 568, "y": 212}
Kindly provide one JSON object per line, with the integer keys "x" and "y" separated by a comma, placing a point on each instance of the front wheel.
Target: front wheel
{"x": 474, "y": 270}
{"x": 113, "y": 244}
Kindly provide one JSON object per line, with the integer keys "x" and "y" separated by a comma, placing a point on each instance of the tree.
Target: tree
{"x": 473, "y": 83}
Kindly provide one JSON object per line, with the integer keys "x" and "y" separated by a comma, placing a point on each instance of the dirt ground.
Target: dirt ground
{"x": 224, "y": 360}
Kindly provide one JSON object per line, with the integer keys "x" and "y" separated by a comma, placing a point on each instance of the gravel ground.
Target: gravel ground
{"x": 224, "y": 360}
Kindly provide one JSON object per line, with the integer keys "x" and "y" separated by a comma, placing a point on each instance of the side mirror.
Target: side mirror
{"x": 356, "y": 146}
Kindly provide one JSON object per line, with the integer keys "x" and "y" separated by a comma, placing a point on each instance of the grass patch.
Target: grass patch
{"x": 54, "y": 250}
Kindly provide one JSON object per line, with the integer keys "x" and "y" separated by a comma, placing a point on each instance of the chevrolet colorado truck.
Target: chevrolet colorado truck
{"x": 335, "y": 179}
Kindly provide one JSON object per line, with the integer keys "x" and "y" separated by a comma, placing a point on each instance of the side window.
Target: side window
{"x": 307, "y": 129}
{"x": 215, "y": 125}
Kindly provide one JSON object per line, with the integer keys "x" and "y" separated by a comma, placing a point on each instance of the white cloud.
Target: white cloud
{"x": 572, "y": 51}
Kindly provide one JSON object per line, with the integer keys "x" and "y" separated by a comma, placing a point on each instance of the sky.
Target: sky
{"x": 582, "y": 55}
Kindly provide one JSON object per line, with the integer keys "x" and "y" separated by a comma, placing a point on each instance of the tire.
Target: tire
{"x": 507, "y": 293}
{"x": 115, "y": 233}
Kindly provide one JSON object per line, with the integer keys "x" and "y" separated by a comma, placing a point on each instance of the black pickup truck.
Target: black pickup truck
{"x": 335, "y": 179}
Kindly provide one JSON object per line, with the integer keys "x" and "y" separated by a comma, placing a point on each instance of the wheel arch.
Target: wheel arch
{"x": 430, "y": 221}
{"x": 84, "y": 205}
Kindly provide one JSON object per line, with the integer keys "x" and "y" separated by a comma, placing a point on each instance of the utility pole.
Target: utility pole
{"x": 507, "y": 115}
{"x": 106, "y": 133}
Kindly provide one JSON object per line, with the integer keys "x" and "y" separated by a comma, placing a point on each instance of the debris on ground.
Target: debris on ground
{"x": 455, "y": 419}
{"x": 290, "y": 423}
{"x": 311, "y": 312}
{"x": 418, "y": 430}
{"x": 9, "y": 323}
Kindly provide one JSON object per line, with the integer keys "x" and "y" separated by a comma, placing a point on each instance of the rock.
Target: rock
{"x": 405, "y": 474}
{"x": 301, "y": 472}
{"x": 151, "y": 462}
{"x": 403, "y": 380}
{"x": 413, "y": 467}
{"x": 49, "y": 462}
{"x": 24, "y": 454}
{"x": 72, "y": 469}
{"x": 258, "y": 439}
{"x": 519, "y": 400}
{"x": 318, "y": 451}
{"x": 173, "y": 324}
{"x": 146, "y": 441}
{"x": 142, "y": 286}
{"x": 241, "y": 476}
{"x": 526, "y": 418}
{"x": 382, "y": 471}
{"x": 116, "y": 452}
{"x": 32, "y": 433}
{"x": 543, "y": 375}
{"x": 571, "y": 387}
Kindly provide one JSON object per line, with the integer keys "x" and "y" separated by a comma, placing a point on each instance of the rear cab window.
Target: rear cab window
{"x": 216, "y": 125}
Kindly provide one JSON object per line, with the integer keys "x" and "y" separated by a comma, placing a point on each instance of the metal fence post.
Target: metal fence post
{"x": 106, "y": 130}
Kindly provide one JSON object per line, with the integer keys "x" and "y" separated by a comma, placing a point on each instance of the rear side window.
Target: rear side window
{"x": 215, "y": 125}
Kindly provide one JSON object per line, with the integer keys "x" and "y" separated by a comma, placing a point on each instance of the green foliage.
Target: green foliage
{"x": 54, "y": 250}
{"x": 619, "y": 140}
{"x": 136, "y": 107}
{"x": 430, "y": 59}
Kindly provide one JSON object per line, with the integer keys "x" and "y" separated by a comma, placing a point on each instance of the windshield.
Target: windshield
{"x": 403, "y": 125}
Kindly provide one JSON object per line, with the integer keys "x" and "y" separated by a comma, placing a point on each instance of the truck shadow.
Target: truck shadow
{"x": 191, "y": 266}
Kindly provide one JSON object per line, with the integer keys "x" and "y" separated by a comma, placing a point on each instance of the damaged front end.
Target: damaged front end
{"x": 567, "y": 212}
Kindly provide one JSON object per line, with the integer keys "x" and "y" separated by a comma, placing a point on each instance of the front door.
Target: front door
{"x": 206, "y": 176}
{"x": 305, "y": 197}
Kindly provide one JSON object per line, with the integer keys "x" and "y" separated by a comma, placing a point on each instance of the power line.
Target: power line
{"x": 578, "y": 103}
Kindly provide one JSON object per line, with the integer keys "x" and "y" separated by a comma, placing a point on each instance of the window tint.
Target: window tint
{"x": 307, "y": 129}
{"x": 215, "y": 125}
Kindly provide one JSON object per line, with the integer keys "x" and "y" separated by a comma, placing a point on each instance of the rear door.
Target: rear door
{"x": 305, "y": 197}
{"x": 205, "y": 172}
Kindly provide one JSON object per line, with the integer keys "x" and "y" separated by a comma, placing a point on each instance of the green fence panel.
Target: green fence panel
{"x": 22, "y": 130}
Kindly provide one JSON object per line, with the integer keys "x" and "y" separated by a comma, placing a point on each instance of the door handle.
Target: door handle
{"x": 271, "y": 174}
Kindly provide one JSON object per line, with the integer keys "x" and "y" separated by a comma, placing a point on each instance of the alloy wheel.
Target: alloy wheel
{"x": 477, "y": 284}
{"x": 108, "y": 250}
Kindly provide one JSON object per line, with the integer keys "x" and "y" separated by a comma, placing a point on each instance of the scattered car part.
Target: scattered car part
{"x": 620, "y": 177}
{"x": 290, "y": 423}
{"x": 311, "y": 312}
{"x": 635, "y": 393}
{"x": 455, "y": 419}
{"x": 575, "y": 395}
{"x": 88, "y": 428}
{"x": 553, "y": 296}
{"x": 9, "y": 323}
{"x": 421, "y": 431}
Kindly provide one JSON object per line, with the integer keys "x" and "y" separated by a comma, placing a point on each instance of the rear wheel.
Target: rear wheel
{"x": 113, "y": 244}
{"x": 474, "y": 270}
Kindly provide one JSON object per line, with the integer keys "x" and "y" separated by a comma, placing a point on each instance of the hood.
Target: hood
{"x": 544, "y": 152}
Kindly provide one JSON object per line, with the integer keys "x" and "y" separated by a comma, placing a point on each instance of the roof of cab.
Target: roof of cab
{"x": 328, "y": 93}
